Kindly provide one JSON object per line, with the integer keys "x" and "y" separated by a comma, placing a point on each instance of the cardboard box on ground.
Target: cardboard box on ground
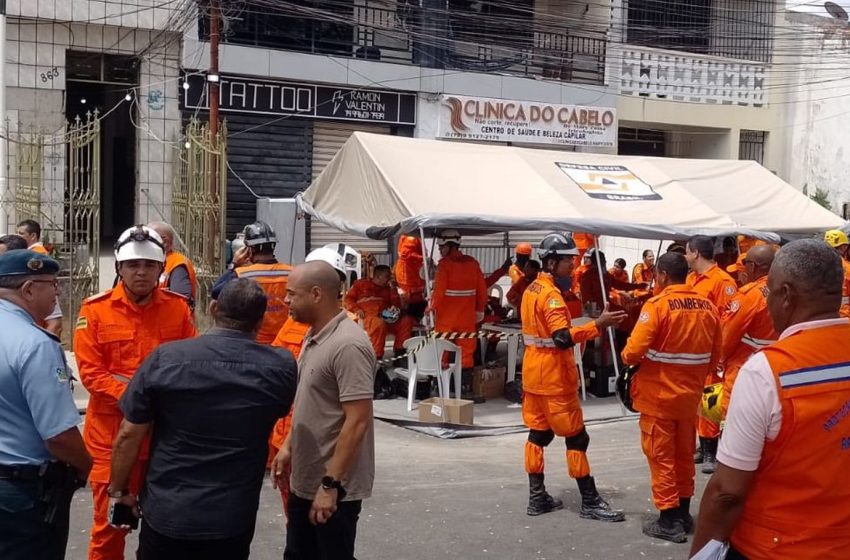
{"x": 453, "y": 411}
{"x": 489, "y": 381}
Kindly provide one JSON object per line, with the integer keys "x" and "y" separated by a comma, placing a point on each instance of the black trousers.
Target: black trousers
{"x": 156, "y": 546}
{"x": 23, "y": 533}
{"x": 332, "y": 541}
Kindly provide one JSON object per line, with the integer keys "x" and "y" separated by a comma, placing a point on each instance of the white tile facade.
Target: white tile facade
{"x": 35, "y": 80}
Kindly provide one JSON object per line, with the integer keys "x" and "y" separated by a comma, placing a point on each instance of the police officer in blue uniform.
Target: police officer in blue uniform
{"x": 42, "y": 456}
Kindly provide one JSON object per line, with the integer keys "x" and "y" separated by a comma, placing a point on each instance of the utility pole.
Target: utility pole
{"x": 5, "y": 205}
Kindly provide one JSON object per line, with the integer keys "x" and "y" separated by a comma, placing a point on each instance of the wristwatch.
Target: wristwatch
{"x": 330, "y": 483}
{"x": 117, "y": 493}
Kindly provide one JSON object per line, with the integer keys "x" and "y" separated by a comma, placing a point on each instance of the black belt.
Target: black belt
{"x": 21, "y": 472}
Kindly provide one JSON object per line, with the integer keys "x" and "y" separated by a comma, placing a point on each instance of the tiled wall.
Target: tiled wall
{"x": 35, "y": 80}
{"x": 144, "y": 14}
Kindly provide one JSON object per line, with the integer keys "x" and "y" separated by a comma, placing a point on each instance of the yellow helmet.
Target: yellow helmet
{"x": 711, "y": 399}
{"x": 836, "y": 238}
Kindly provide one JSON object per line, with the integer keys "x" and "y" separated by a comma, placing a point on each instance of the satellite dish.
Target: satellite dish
{"x": 836, "y": 11}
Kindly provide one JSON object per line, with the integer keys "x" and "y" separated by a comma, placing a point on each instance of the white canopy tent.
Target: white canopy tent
{"x": 378, "y": 186}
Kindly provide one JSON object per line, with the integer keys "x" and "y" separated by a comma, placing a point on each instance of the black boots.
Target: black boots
{"x": 592, "y": 504}
{"x": 685, "y": 515}
{"x": 668, "y": 527}
{"x": 466, "y": 387}
{"x": 699, "y": 456}
{"x": 539, "y": 501}
{"x": 710, "y": 455}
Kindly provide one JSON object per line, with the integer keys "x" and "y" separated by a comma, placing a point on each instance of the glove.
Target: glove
{"x": 507, "y": 264}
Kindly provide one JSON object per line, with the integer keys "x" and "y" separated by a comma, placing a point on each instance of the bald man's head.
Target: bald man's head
{"x": 166, "y": 232}
{"x": 805, "y": 283}
{"x": 758, "y": 261}
{"x": 312, "y": 292}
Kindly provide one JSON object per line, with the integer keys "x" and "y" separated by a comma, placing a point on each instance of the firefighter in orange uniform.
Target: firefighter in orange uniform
{"x": 523, "y": 255}
{"x": 114, "y": 333}
{"x": 780, "y": 491}
{"x": 839, "y": 241}
{"x": 676, "y": 343}
{"x": 179, "y": 275}
{"x": 746, "y": 326}
{"x": 644, "y": 272}
{"x": 708, "y": 280}
{"x": 377, "y": 304}
{"x": 550, "y": 405}
{"x": 618, "y": 271}
{"x": 411, "y": 285}
{"x": 257, "y": 261}
{"x": 30, "y": 230}
{"x": 530, "y": 272}
{"x": 458, "y": 298}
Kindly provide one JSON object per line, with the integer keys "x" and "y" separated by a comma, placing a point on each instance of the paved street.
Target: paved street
{"x": 466, "y": 499}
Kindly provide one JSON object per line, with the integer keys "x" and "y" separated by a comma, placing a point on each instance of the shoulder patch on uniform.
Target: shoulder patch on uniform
{"x": 644, "y": 317}
{"x": 63, "y": 375}
{"x": 97, "y": 297}
{"x": 82, "y": 323}
{"x": 554, "y": 303}
{"x": 730, "y": 291}
{"x": 734, "y": 306}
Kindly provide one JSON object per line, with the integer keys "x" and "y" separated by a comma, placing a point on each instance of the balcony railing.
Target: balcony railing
{"x": 399, "y": 36}
{"x": 680, "y": 76}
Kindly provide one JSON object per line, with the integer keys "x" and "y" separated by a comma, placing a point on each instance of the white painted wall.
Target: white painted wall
{"x": 816, "y": 150}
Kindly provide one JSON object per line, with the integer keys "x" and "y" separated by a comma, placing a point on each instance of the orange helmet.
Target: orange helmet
{"x": 524, "y": 249}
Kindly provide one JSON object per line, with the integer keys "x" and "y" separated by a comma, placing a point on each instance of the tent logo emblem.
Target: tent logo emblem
{"x": 608, "y": 182}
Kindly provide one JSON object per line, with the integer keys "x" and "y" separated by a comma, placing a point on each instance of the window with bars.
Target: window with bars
{"x": 741, "y": 29}
{"x": 751, "y": 145}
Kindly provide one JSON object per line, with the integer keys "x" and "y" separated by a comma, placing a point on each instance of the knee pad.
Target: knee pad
{"x": 578, "y": 442}
{"x": 540, "y": 437}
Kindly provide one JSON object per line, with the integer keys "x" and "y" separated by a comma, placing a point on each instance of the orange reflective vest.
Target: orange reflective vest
{"x": 845, "y": 290}
{"x": 746, "y": 325}
{"x": 113, "y": 336}
{"x": 172, "y": 261}
{"x": 272, "y": 278}
{"x": 677, "y": 343}
{"x": 546, "y": 369}
{"x": 714, "y": 284}
{"x": 407, "y": 269}
{"x": 797, "y": 506}
{"x": 366, "y": 296}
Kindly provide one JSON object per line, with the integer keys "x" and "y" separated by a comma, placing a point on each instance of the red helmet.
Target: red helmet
{"x": 524, "y": 249}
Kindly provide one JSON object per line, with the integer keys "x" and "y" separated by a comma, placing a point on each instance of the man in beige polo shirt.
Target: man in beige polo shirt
{"x": 332, "y": 438}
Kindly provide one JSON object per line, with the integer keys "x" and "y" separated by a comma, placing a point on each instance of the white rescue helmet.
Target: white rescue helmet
{"x": 448, "y": 236}
{"x": 139, "y": 242}
{"x": 329, "y": 256}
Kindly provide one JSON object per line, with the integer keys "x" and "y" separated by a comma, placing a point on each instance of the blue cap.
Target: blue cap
{"x": 23, "y": 262}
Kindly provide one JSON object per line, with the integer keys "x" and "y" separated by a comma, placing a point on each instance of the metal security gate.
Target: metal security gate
{"x": 54, "y": 179}
{"x": 198, "y": 200}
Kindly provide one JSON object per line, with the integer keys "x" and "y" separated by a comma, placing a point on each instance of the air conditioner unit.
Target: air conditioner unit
{"x": 837, "y": 10}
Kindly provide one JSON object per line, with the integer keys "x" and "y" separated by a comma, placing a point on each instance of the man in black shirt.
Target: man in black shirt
{"x": 210, "y": 403}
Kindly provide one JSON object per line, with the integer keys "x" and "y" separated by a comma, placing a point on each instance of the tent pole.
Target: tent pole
{"x": 657, "y": 255}
{"x": 433, "y": 321}
{"x": 604, "y": 305}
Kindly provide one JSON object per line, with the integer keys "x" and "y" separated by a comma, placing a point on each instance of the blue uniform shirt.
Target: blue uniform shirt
{"x": 35, "y": 392}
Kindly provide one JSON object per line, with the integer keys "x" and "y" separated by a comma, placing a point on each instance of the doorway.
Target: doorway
{"x": 101, "y": 82}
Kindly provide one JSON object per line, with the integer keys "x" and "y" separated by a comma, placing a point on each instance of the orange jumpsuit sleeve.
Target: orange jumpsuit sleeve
{"x": 734, "y": 324}
{"x": 352, "y": 296}
{"x": 726, "y": 290}
{"x": 440, "y": 279}
{"x": 637, "y": 273}
{"x": 94, "y": 376}
{"x": 481, "y": 290}
{"x": 515, "y": 273}
{"x": 557, "y": 318}
{"x": 643, "y": 335}
{"x": 716, "y": 349}
{"x": 514, "y": 296}
{"x": 584, "y": 333}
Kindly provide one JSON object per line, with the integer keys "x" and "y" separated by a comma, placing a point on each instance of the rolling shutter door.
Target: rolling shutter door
{"x": 273, "y": 158}
{"x": 328, "y": 138}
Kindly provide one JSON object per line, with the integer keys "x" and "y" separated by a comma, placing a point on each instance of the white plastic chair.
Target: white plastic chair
{"x": 425, "y": 362}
